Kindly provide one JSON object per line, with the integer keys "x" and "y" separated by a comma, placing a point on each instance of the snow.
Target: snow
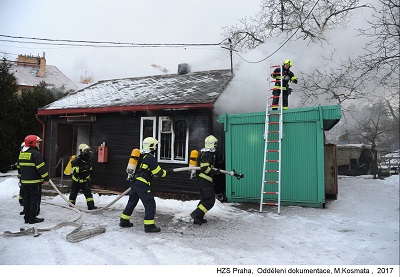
{"x": 361, "y": 227}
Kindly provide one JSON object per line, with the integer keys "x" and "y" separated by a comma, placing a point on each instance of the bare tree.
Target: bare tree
{"x": 338, "y": 83}
{"x": 382, "y": 54}
{"x": 372, "y": 124}
{"x": 372, "y": 74}
{"x": 312, "y": 19}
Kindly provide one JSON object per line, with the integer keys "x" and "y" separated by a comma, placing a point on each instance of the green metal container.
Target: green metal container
{"x": 302, "y": 157}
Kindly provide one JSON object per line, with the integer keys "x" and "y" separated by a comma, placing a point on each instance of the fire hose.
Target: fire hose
{"x": 231, "y": 173}
{"x": 77, "y": 234}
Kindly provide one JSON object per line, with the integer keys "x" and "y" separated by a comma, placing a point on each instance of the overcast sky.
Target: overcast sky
{"x": 172, "y": 22}
{"x": 152, "y": 21}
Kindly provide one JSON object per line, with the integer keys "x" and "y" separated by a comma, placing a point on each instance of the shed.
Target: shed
{"x": 114, "y": 116}
{"x": 354, "y": 159}
{"x": 302, "y": 162}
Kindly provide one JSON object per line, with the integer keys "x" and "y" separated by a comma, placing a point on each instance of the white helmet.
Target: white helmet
{"x": 149, "y": 144}
{"x": 83, "y": 148}
{"x": 210, "y": 143}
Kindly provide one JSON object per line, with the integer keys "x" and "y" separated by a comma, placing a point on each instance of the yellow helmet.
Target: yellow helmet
{"x": 288, "y": 62}
{"x": 149, "y": 144}
{"x": 210, "y": 143}
{"x": 83, "y": 148}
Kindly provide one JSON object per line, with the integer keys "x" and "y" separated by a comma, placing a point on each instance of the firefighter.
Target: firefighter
{"x": 21, "y": 192}
{"x": 287, "y": 77}
{"x": 82, "y": 175}
{"x": 32, "y": 174}
{"x": 205, "y": 180}
{"x": 147, "y": 168}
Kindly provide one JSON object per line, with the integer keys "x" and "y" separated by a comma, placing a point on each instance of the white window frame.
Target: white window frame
{"x": 152, "y": 118}
{"x": 161, "y": 119}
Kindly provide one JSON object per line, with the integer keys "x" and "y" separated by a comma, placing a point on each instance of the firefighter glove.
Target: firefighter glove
{"x": 170, "y": 171}
{"x": 295, "y": 81}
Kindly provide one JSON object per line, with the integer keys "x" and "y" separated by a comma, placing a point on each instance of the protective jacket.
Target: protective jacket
{"x": 81, "y": 168}
{"x": 149, "y": 168}
{"x": 207, "y": 162}
{"x": 206, "y": 186}
{"x": 31, "y": 167}
{"x": 287, "y": 76}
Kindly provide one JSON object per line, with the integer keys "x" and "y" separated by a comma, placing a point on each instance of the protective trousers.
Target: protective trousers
{"x": 207, "y": 200}
{"x": 85, "y": 187}
{"x": 140, "y": 190}
{"x": 32, "y": 197}
{"x": 275, "y": 101}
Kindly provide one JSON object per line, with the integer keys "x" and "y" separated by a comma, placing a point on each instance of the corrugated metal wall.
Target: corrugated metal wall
{"x": 243, "y": 153}
{"x": 302, "y": 180}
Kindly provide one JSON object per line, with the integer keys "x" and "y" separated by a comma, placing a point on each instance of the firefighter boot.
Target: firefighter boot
{"x": 91, "y": 206}
{"x": 197, "y": 218}
{"x": 152, "y": 228}
{"x": 125, "y": 223}
{"x": 36, "y": 220}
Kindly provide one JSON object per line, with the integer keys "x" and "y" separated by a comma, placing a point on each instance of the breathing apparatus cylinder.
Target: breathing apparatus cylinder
{"x": 194, "y": 155}
{"x": 132, "y": 163}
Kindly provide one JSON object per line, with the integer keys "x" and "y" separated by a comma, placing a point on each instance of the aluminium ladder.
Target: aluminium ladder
{"x": 273, "y": 133}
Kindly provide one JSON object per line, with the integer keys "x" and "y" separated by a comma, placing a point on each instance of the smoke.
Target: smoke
{"x": 249, "y": 90}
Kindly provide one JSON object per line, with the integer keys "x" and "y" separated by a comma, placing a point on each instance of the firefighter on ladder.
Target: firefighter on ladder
{"x": 287, "y": 77}
{"x": 205, "y": 180}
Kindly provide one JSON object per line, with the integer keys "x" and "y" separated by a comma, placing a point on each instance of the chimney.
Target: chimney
{"x": 28, "y": 60}
{"x": 42, "y": 66}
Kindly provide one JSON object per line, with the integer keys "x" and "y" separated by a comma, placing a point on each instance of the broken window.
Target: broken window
{"x": 147, "y": 128}
{"x": 173, "y": 136}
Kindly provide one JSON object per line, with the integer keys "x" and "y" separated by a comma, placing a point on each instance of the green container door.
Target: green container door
{"x": 242, "y": 150}
{"x": 302, "y": 182}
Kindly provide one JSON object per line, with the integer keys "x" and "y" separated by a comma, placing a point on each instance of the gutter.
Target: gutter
{"x": 43, "y": 131}
{"x": 122, "y": 109}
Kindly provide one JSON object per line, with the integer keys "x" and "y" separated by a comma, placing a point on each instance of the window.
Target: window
{"x": 147, "y": 128}
{"x": 173, "y": 137}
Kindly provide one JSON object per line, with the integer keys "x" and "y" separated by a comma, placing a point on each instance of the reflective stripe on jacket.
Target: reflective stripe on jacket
{"x": 207, "y": 161}
{"x": 31, "y": 167}
{"x": 277, "y": 75}
{"x": 148, "y": 169}
{"x": 81, "y": 169}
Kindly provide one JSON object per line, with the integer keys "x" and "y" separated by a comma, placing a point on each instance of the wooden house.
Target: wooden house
{"x": 114, "y": 116}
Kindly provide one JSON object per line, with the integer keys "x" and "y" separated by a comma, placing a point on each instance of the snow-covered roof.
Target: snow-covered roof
{"x": 391, "y": 158}
{"x": 26, "y": 76}
{"x": 192, "y": 88}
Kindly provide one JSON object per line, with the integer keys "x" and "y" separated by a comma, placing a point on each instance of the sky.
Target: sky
{"x": 154, "y": 21}
{"x": 172, "y": 21}
{"x": 159, "y": 21}
{"x": 359, "y": 228}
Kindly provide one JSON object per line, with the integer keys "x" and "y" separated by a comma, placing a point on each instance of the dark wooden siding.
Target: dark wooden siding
{"x": 121, "y": 133}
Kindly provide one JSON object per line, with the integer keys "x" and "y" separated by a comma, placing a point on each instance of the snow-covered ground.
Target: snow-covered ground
{"x": 361, "y": 227}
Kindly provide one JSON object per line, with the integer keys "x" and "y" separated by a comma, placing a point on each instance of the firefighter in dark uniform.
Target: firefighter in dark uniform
{"x": 21, "y": 192}
{"x": 287, "y": 77}
{"x": 140, "y": 187}
{"x": 82, "y": 174}
{"x": 33, "y": 174}
{"x": 205, "y": 180}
